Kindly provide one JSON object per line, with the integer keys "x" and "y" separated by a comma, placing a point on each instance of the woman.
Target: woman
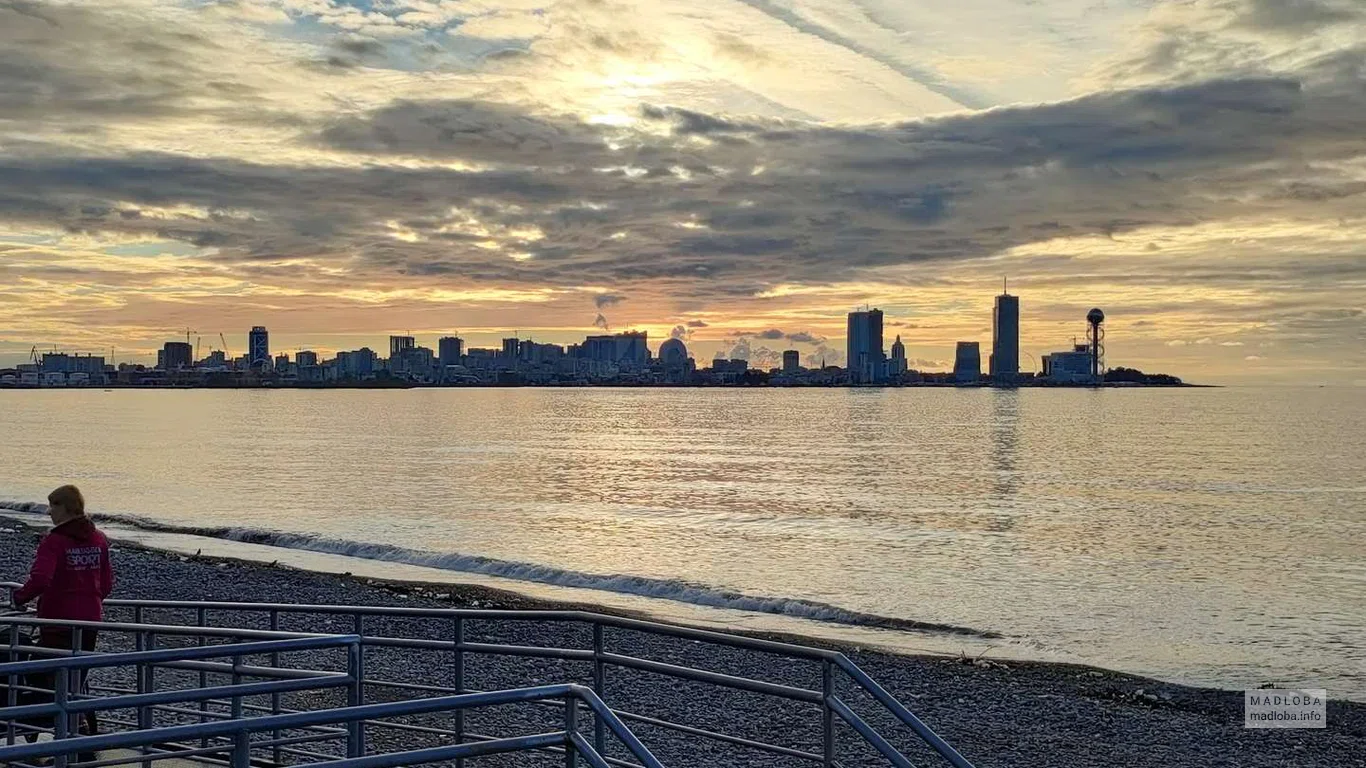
{"x": 71, "y": 574}
{"x": 71, "y": 577}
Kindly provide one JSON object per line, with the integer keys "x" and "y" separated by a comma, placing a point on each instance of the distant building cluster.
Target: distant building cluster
{"x": 615, "y": 358}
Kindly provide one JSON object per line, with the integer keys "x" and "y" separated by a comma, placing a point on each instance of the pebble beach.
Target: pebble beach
{"x": 995, "y": 713}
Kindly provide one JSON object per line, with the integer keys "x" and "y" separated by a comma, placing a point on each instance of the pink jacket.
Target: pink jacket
{"x": 71, "y": 574}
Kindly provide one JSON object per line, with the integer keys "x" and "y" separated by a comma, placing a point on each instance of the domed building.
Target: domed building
{"x": 673, "y": 357}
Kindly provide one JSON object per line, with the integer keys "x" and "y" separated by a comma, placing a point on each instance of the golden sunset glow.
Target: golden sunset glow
{"x": 737, "y": 174}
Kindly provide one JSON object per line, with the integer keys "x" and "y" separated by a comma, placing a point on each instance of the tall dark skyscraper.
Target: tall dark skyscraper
{"x": 1005, "y": 339}
{"x": 866, "y": 360}
{"x": 258, "y": 347}
{"x": 449, "y": 349}
{"x": 399, "y": 345}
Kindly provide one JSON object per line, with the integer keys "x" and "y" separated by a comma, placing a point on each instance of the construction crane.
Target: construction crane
{"x": 226, "y": 353}
{"x": 33, "y": 355}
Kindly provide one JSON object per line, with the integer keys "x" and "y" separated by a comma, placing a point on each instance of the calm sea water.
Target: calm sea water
{"x": 1212, "y": 536}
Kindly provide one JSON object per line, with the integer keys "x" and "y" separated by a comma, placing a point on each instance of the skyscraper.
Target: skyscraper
{"x": 258, "y": 347}
{"x": 866, "y": 360}
{"x": 1005, "y": 340}
{"x": 792, "y": 361}
{"x": 898, "y": 363}
{"x": 400, "y": 344}
{"x": 450, "y": 349}
{"x": 967, "y": 363}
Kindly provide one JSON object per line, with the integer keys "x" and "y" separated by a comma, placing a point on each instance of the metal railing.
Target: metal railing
{"x": 66, "y": 701}
{"x": 834, "y": 669}
{"x": 238, "y": 733}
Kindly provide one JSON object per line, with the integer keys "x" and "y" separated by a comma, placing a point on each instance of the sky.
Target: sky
{"x": 736, "y": 173}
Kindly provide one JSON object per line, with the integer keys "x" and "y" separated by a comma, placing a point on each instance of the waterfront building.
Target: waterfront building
{"x": 866, "y": 359}
{"x": 175, "y": 356}
{"x": 61, "y": 362}
{"x": 306, "y": 357}
{"x": 1072, "y": 367}
{"x": 1005, "y": 339}
{"x": 897, "y": 366}
{"x": 449, "y": 350}
{"x": 967, "y": 363}
{"x": 258, "y": 347}
{"x": 399, "y": 344}
{"x": 627, "y": 350}
{"x": 792, "y": 361}
{"x": 510, "y": 349}
{"x": 357, "y": 365}
{"x": 673, "y": 357}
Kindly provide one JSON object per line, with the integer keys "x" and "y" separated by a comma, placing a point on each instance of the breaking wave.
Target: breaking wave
{"x": 664, "y": 589}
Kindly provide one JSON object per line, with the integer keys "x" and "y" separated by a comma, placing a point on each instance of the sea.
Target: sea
{"x": 1208, "y": 536}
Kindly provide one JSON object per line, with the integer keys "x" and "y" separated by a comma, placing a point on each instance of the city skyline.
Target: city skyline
{"x": 865, "y": 342}
{"x": 341, "y": 170}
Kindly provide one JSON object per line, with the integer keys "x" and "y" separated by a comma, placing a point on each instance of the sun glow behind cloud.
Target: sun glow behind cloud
{"x": 339, "y": 170}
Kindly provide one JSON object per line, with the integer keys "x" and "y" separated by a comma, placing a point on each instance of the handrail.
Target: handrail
{"x": 239, "y": 728}
{"x": 834, "y": 660}
{"x": 127, "y": 658}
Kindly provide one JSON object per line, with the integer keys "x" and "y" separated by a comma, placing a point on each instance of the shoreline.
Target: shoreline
{"x": 998, "y": 713}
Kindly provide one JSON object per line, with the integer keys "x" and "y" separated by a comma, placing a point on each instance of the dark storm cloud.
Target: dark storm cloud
{"x": 603, "y": 300}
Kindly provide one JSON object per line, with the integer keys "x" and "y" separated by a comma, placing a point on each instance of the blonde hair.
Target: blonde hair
{"x": 69, "y": 498}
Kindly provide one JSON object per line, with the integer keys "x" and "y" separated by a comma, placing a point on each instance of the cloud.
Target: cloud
{"x": 770, "y": 334}
{"x": 680, "y": 332}
{"x": 601, "y": 322}
{"x": 604, "y": 300}
{"x": 1254, "y": 357}
{"x": 696, "y": 324}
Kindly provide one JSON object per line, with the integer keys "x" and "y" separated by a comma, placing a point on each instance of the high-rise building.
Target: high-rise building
{"x": 306, "y": 357}
{"x": 176, "y": 355}
{"x": 450, "y": 349}
{"x": 258, "y": 347}
{"x": 1005, "y": 340}
{"x": 399, "y": 344}
{"x": 898, "y": 364}
{"x": 628, "y": 349}
{"x": 792, "y": 361}
{"x": 866, "y": 360}
{"x": 510, "y": 349}
{"x": 967, "y": 363}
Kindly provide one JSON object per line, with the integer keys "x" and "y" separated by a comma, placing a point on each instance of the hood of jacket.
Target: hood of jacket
{"x": 80, "y": 529}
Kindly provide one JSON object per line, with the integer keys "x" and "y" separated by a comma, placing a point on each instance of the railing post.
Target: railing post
{"x": 145, "y": 641}
{"x": 201, "y": 620}
{"x": 61, "y": 724}
{"x": 275, "y": 753}
{"x": 571, "y": 727}
{"x": 241, "y": 749}
{"x": 355, "y": 739}
{"x": 11, "y": 694}
{"x": 599, "y": 687}
{"x": 355, "y": 729}
{"x": 827, "y": 712}
{"x": 459, "y": 674}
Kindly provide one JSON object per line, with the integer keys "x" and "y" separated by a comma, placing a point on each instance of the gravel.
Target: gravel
{"x": 996, "y": 714}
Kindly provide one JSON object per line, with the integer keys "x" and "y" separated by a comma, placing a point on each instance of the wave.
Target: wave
{"x": 664, "y": 589}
